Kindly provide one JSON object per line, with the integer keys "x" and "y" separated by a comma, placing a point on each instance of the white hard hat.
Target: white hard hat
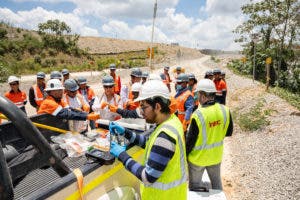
{"x": 154, "y": 77}
{"x": 12, "y": 79}
{"x": 153, "y": 88}
{"x": 206, "y": 85}
{"x": 136, "y": 87}
{"x": 54, "y": 84}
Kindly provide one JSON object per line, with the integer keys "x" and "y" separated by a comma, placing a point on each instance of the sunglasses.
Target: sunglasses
{"x": 72, "y": 91}
{"x": 14, "y": 83}
{"x": 108, "y": 86}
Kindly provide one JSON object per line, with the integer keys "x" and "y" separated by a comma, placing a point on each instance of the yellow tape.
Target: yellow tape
{"x": 100, "y": 179}
{"x": 51, "y": 128}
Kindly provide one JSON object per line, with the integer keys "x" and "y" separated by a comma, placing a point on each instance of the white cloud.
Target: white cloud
{"x": 139, "y": 32}
{"x": 174, "y": 23}
{"x": 31, "y": 19}
{"x": 132, "y": 19}
{"x": 116, "y": 9}
{"x": 217, "y": 7}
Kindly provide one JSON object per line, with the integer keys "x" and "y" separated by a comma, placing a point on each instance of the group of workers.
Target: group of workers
{"x": 189, "y": 127}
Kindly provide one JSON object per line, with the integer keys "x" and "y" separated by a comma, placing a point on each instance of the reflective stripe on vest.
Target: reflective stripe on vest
{"x": 204, "y": 134}
{"x": 19, "y": 104}
{"x": 167, "y": 186}
{"x": 180, "y": 101}
{"x": 38, "y": 95}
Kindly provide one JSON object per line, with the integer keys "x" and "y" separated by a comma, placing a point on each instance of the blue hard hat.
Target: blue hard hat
{"x": 55, "y": 75}
{"x": 40, "y": 75}
{"x": 81, "y": 80}
{"x": 71, "y": 85}
{"x": 136, "y": 72}
{"x": 182, "y": 78}
{"x": 65, "y": 72}
{"x": 108, "y": 80}
{"x": 112, "y": 66}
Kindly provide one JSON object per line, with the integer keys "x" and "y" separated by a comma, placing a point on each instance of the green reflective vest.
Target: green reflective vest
{"x": 172, "y": 184}
{"x": 213, "y": 122}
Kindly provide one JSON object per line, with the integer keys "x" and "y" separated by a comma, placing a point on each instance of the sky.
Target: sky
{"x": 192, "y": 23}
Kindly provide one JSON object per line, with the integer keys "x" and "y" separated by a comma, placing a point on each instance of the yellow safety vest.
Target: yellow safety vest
{"x": 172, "y": 184}
{"x": 213, "y": 122}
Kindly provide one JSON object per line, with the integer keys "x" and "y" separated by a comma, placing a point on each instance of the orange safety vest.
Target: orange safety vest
{"x": 130, "y": 105}
{"x": 50, "y": 106}
{"x": 180, "y": 100}
{"x": 38, "y": 95}
{"x": 90, "y": 93}
{"x": 18, "y": 98}
{"x": 117, "y": 81}
{"x": 85, "y": 107}
{"x": 220, "y": 86}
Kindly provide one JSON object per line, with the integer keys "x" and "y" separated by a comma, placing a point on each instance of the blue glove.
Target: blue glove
{"x": 115, "y": 128}
{"x": 116, "y": 149}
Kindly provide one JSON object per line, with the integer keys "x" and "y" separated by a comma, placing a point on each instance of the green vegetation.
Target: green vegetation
{"x": 216, "y": 60}
{"x": 255, "y": 119}
{"x": 272, "y": 30}
{"x": 54, "y": 48}
{"x": 292, "y": 98}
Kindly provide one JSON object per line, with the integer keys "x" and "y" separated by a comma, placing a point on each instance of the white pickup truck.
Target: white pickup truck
{"x": 31, "y": 167}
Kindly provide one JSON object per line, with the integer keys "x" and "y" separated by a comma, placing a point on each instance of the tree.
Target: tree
{"x": 277, "y": 22}
{"x": 56, "y": 34}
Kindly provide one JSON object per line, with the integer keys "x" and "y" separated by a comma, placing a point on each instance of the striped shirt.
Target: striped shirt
{"x": 161, "y": 153}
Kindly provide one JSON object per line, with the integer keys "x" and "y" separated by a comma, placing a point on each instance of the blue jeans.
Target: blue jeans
{"x": 196, "y": 173}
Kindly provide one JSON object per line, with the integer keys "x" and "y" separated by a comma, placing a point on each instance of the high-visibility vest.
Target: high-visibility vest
{"x": 38, "y": 95}
{"x": 50, "y": 106}
{"x": 220, "y": 86}
{"x": 213, "y": 122}
{"x": 172, "y": 184}
{"x": 131, "y": 105}
{"x": 18, "y": 98}
{"x": 89, "y": 92}
{"x": 180, "y": 101}
{"x": 117, "y": 81}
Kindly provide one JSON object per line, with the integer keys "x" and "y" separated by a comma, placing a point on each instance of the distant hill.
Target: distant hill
{"x": 22, "y": 52}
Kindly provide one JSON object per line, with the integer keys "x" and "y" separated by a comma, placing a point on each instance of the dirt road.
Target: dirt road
{"x": 263, "y": 164}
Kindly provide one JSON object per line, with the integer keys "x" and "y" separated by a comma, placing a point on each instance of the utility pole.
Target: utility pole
{"x": 255, "y": 39}
{"x": 152, "y": 33}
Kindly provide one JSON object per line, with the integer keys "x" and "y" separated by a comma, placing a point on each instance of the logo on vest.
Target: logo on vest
{"x": 215, "y": 123}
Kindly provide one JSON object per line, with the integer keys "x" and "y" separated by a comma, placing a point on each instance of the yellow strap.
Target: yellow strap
{"x": 79, "y": 177}
{"x": 51, "y": 128}
{"x": 103, "y": 177}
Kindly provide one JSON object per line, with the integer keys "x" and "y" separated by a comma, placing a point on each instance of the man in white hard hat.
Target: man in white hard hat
{"x": 163, "y": 172}
{"x": 36, "y": 92}
{"x": 210, "y": 123}
{"x": 15, "y": 95}
{"x": 56, "y": 106}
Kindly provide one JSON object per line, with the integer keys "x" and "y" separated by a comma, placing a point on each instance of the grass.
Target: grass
{"x": 292, "y": 98}
{"x": 216, "y": 60}
{"x": 255, "y": 118}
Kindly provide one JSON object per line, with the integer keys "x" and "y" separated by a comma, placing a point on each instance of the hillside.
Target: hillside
{"x": 26, "y": 52}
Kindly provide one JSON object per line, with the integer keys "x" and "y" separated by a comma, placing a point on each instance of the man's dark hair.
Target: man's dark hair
{"x": 164, "y": 103}
{"x": 208, "y": 95}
